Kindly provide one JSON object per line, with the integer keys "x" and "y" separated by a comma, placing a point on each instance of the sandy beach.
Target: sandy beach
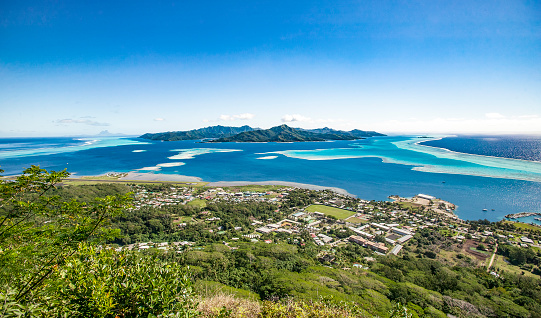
{"x": 284, "y": 183}
{"x": 139, "y": 176}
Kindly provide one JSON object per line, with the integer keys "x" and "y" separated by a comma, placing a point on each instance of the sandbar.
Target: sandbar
{"x": 140, "y": 176}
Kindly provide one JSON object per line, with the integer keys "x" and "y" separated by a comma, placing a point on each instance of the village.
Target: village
{"x": 382, "y": 227}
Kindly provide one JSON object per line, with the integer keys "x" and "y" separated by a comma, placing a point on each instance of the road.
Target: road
{"x": 492, "y": 258}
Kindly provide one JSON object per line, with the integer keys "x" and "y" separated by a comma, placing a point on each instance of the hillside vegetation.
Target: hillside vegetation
{"x": 281, "y": 133}
{"x": 196, "y": 134}
{"x": 64, "y": 253}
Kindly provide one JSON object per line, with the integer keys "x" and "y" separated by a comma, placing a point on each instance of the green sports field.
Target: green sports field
{"x": 327, "y": 210}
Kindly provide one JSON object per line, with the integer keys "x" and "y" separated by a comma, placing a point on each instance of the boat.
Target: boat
{"x": 493, "y": 210}
{"x": 484, "y": 210}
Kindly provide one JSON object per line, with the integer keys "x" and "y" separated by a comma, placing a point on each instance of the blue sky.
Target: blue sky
{"x": 80, "y": 67}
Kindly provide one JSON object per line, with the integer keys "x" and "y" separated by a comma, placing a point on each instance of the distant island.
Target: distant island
{"x": 282, "y": 133}
{"x": 196, "y": 134}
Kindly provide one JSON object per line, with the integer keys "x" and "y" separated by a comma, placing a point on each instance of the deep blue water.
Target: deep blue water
{"x": 373, "y": 168}
{"x": 517, "y": 147}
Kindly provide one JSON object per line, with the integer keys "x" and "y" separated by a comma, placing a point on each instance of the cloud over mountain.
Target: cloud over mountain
{"x": 80, "y": 121}
{"x": 295, "y": 117}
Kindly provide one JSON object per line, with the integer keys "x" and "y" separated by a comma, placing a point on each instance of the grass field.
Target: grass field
{"x": 356, "y": 220}
{"x": 256, "y": 188}
{"x": 526, "y": 226}
{"x": 482, "y": 252}
{"x": 198, "y": 202}
{"x": 327, "y": 210}
{"x": 185, "y": 219}
{"x": 405, "y": 205}
{"x": 97, "y": 180}
{"x": 450, "y": 257}
{"x": 500, "y": 263}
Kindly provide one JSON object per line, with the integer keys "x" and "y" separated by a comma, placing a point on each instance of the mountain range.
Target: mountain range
{"x": 282, "y": 133}
{"x": 196, "y": 134}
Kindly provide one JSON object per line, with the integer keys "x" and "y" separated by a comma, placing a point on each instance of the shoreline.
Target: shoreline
{"x": 448, "y": 209}
{"x": 144, "y": 176}
{"x": 284, "y": 183}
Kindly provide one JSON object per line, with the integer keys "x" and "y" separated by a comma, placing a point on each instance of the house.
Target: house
{"x": 425, "y": 196}
{"x": 402, "y": 231}
{"x": 327, "y": 258}
{"x": 325, "y": 238}
{"x": 388, "y": 240}
{"x": 382, "y": 227}
{"x": 404, "y": 239}
{"x": 264, "y": 230}
{"x": 361, "y": 233}
{"x": 396, "y": 249}
{"x": 376, "y": 246}
{"x": 297, "y": 215}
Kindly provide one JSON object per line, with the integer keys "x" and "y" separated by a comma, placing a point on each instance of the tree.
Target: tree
{"x": 39, "y": 231}
{"x": 106, "y": 283}
{"x": 51, "y": 265}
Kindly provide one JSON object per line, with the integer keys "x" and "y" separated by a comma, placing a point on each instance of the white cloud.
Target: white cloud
{"x": 159, "y": 119}
{"x": 494, "y": 115}
{"x": 80, "y": 121}
{"x": 245, "y": 116}
{"x": 295, "y": 117}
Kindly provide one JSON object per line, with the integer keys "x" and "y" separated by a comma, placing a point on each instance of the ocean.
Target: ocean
{"x": 512, "y": 146}
{"x": 474, "y": 172}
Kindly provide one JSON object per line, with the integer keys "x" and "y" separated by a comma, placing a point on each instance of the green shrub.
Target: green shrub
{"x": 106, "y": 283}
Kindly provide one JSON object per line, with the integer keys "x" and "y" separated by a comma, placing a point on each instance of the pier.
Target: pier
{"x": 521, "y": 215}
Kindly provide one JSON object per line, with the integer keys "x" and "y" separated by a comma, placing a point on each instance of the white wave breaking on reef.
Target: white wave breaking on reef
{"x": 159, "y": 166}
{"x": 89, "y": 143}
{"x": 427, "y": 159}
{"x": 191, "y": 153}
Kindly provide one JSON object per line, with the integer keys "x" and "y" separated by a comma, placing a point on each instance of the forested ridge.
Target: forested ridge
{"x": 195, "y": 134}
{"x": 281, "y": 133}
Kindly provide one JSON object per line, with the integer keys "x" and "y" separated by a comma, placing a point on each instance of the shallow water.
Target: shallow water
{"x": 372, "y": 168}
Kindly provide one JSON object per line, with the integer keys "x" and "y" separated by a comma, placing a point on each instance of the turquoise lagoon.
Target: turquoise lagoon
{"x": 372, "y": 168}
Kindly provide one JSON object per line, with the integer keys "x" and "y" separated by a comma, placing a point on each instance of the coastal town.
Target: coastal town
{"x": 329, "y": 221}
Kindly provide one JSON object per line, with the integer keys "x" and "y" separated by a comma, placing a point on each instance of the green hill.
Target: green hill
{"x": 245, "y": 133}
{"x": 352, "y": 133}
{"x": 285, "y": 133}
{"x": 201, "y": 133}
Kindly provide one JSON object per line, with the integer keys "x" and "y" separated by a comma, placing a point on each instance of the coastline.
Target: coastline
{"x": 431, "y": 204}
{"x": 284, "y": 183}
{"x": 141, "y": 176}
{"x": 145, "y": 176}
